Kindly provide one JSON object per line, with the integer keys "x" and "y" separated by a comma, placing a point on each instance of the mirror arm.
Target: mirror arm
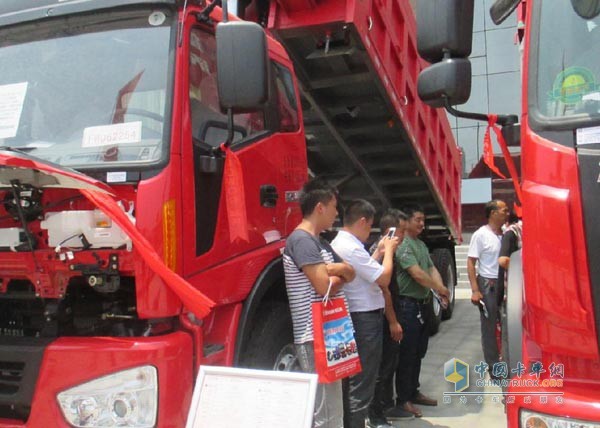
{"x": 503, "y": 119}
{"x": 204, "y": 15}
{"x": 229, "y": 110}
{"x": 229, "y": 127}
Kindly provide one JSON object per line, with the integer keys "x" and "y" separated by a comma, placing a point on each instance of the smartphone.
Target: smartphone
{"x": 483, "y": 309}
{"x": 391, "y": 232}
{"x": 441, "y": 301}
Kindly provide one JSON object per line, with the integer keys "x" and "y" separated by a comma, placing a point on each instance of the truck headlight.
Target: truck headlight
{"x": 128, "y": 398}
{"x": 539, "y": 420}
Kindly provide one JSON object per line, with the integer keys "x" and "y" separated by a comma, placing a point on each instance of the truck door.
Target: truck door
{"x": 258, "y": 144}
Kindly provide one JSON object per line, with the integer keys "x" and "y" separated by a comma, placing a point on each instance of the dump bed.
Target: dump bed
{"x": 366, "y": 128}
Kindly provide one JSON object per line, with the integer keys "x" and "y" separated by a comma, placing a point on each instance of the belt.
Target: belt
{"x": 413, "y": 299}
{"x": 374, "y": 311}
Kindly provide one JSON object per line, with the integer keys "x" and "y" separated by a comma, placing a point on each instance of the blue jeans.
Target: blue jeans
{"x": 329, "y": 408}
{"x": 359, "y": 389}
{"x": 412, "y": 349}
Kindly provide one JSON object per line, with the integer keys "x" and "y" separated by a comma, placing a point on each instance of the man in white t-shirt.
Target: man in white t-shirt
{"x": 484, "y": 251}
{"x": 366, "y": 303}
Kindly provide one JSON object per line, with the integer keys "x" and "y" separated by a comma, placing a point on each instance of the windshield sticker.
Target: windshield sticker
{"x": 12, "y": 98}
{"x": 594, "y": 96}
{"x": 588, "y": 135}
{"x": 108, "y": 135}
{"x": 572, "y": 84}
{"x": 116, "y": 177}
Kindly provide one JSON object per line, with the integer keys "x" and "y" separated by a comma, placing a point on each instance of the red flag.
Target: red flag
{"x": 488, "y": 151}
{"x": 512, "y": 170}
{"x": 235, "y": 197}
{"x": 193, "y": 299}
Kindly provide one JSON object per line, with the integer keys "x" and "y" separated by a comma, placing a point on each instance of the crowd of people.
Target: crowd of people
{"x": 387, "y": 291}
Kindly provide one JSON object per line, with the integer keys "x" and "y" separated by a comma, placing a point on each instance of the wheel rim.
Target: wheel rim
{"x": 286, "y": 360}
{"x": 450, "y": 284}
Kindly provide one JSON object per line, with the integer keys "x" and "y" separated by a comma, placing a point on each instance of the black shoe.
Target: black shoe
{"x": 398, "y": 414}
{"x": 378, "y": 423}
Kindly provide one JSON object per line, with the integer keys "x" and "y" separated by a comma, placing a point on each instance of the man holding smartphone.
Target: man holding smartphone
{"x": 392, "y": 223}
{"x": 366, "y": 302}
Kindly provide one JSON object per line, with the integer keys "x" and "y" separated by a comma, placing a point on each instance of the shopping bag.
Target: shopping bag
{"x": 336, "y": 354}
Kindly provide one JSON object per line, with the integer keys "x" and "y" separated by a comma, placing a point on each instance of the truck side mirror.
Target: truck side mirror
{"x": 587, "y": 9}
{"x": 242, "y": 66}
{"x": 444, "y": 28}
{"x": 501, "y": 9}
{"x": 449, "y": 79}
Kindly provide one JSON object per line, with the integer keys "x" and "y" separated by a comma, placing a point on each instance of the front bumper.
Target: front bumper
{"x": 576, "y": 402}
{"x": 70, "y": 361}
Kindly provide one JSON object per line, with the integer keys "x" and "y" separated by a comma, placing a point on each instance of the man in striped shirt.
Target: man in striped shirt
{"x": 310, "y": 266}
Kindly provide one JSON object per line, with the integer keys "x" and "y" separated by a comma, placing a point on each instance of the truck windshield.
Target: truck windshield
{"x": 88, "y": 91}
{"x": 567, "y": 82}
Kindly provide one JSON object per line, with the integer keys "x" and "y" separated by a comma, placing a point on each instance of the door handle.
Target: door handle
{"x": 268, "y": 195}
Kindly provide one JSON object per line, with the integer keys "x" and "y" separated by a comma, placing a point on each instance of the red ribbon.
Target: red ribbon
{"x": 192, "y": 298}
{"x": 488, "y": 150}
{"x": 235, "y": 197}
{"x": 488, "y": 158}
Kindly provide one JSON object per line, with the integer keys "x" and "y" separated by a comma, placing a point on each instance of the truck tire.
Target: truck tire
{"x": 271, "y": 342}
{"x": 444, "y": 263}
{"x": 512, "y": 329}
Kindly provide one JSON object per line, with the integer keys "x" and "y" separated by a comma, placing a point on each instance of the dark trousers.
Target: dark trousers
{"x": 489, "y": 289}
{"x": 384, "y": 387}
{"x": 412, "y": 349}
{"x": 358, "y": 390}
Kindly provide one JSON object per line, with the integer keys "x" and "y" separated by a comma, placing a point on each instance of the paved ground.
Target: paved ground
{"x": 458, "y": 337}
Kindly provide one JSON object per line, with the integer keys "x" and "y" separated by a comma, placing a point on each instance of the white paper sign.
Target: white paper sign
{"x": 116, "y": 177}
{"x": 108, "y": 135}
{"x": 226, "y": 397}
{"x": 12, "y": 98}
{"x": 588, "y": 135}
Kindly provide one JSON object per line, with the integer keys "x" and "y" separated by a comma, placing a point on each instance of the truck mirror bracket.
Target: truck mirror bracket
{"x": 503, "y": 119}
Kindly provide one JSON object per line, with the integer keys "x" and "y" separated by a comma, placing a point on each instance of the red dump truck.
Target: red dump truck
{"x": 553, "y": 294}
{"x": 134, "y": 245}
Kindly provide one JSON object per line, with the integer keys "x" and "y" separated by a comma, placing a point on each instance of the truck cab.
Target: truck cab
{"x": 122, "y": 97}
{"x": 122, "y": 112}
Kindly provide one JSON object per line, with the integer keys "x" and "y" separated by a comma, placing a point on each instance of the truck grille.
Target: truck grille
{"x": 20, "y": 361}
{"x": 11, "y": 374}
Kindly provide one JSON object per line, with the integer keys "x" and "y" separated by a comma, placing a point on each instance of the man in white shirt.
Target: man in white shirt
{"x": 484, "y": 251}
{"x": 366, "y": 302}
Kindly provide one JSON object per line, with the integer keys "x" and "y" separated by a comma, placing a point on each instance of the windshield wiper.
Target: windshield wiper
{"x": 66, "y": 177}
{"x": 24, "y": 150}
